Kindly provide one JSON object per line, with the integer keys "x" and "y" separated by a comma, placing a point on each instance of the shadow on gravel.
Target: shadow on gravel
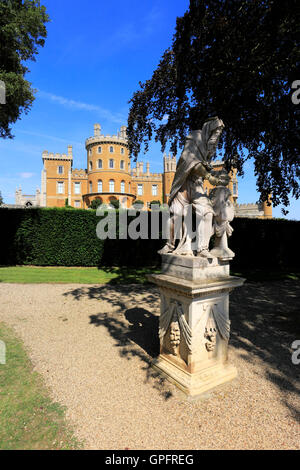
{"x": 135, "y": 330}
{"x": 264, "y": 323}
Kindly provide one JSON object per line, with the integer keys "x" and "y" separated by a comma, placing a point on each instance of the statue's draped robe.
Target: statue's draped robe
{"x": 195, "y": 151}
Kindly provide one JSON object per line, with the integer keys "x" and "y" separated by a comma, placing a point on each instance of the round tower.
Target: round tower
{"x": 108, "y": 168}
{"x": 267, "y": 208}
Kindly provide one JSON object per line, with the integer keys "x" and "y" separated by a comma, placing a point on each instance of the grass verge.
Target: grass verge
{"x": 28, "y": 417}
{"x": 113, "y": 275}
{"x": 70, "y": 275}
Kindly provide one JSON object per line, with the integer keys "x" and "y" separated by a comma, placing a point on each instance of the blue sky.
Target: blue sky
{"x": 95, "y": 55}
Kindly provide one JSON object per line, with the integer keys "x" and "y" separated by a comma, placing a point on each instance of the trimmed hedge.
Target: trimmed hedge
{"x": 67, "y": 237}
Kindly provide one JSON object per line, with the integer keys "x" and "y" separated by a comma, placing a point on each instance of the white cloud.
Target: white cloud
{"x": 69, "y": 103}
{"x": 51, "y": 137}
{"x": 26, "y": 175}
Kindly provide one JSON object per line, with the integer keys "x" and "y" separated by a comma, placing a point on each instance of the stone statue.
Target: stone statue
{"x": 213, "y": 212}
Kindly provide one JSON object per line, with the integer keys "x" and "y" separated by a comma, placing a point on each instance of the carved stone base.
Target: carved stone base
{"x": 194, "y": 268}
{"x": 194, "y": 323}
{"x": 197, "y": 383}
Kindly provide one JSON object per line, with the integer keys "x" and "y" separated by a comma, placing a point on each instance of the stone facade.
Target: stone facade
{"x": 109, "y": 176}
{"x": 27, "y": 200}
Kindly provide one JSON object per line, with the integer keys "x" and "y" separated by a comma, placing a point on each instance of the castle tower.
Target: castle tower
{"x": 168, "y": 175}
{"x": 108, "y": 168}
{"x": 233, "y": 185}
{"x": 267, "y": 208}
{"x": 56, "y": 178}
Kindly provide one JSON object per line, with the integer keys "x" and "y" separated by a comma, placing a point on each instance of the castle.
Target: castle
{"x": 109, "y": 177}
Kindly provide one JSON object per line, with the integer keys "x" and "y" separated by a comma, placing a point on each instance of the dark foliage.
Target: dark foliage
{"x": 67, "y": 237}
{"x": 22, "y": 31}
{"x": 237, "y": 60}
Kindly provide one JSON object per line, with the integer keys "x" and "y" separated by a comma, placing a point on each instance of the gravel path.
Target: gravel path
{"x": 93, "y": 344}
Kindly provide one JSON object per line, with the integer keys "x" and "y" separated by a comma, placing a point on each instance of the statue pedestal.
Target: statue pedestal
{"x": 194, "y": 322}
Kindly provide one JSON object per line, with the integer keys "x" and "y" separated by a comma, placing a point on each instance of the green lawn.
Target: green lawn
{"x": 28, "y": 417}
{"x": 61, "y": 275}
{"x": 65, "y": 275}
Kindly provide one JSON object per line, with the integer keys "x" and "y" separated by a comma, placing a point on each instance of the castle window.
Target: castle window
{"x": 111, "y": 149}
{"x": 60, "y": 170}
{"x": 91, "y": 187}
{"x": 111, "y": 163}
{"x": 140, "y": 189}
{"x": 90, "y": 152}
{"x": 122, "y": 164}
{"x": 122, "y": 186}
{"x": 60, "y": 187}
{"x": 122, "y": 150}
{"x": 99, "y": 149}
{"x": 234, "y": 188}
{"x": 77, "y": 189}
{"x": 154, "y": 190}
{"x": 91, "y": 166}
{"x": 77, "y": 203}
{"x": 111, "y": 186}
{"x": 100, "y": 163}
{"x": 99, "y": 186}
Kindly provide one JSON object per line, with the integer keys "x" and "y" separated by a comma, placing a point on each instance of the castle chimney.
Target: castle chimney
{"x": 148, "y": 168}
{"x": 123, "y": 132}
{"x": 97, "y": 130}
{"x": 70, "y": 150}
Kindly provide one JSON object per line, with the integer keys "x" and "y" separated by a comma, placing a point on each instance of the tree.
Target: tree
{"x": 115, "y": 203}
{"x": 236, "y": 60}
{"x": 22, "y": 31}
{"x": 138, "y": 204}
{"x": 154, "y": 205}
{"x": 1, "y": 199}
{"x": 95, "y": 203}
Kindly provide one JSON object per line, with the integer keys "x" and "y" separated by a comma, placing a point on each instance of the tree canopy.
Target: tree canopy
{"x": 236, "y": 60}
{"x": 22, "y": 31}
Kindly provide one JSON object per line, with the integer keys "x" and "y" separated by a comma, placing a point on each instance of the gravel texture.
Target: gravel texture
{"x": 93, "y": 345}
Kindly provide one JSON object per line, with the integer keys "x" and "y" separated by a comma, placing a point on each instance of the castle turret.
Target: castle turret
{"x": 108, "y": 168}
{"x": 97, "y": 130}
{"x": 267, "y": 208}
{"x": 168, "y": 175}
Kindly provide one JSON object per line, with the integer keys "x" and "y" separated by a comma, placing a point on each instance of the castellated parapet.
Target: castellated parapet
{"x": 98, "y": 138}
{"x": 169, "y": 163}
{"x": 58, "y": 156}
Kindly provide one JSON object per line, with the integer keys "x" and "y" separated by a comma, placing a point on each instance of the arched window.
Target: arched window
{"x": 111, "y": 186}
{"x": 100, "y": 163}
{"x": 122, "y": 164}
{"x": 99, "y": 186}
{"x": 91, "y": 166}
{"x": 122, "y": 186}
{"x": 99, "y": 149}
{"x": 91, "y": 187}
{"x": 111, "y": 149}
{"x": 122, "y": 151}
{"x": 111, "y": 163}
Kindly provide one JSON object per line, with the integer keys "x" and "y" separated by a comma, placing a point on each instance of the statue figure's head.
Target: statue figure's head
{"x": 208, "y": 137}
